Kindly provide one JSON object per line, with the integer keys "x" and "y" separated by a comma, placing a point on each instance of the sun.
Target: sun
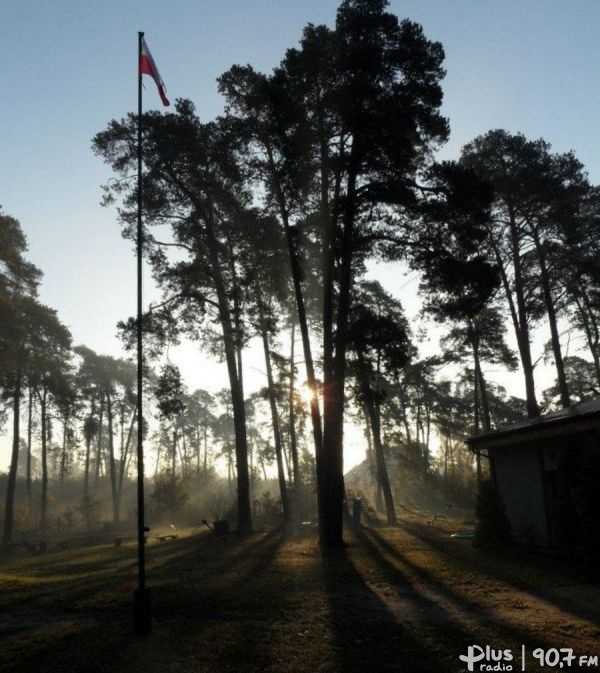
{"x": 306, "y": 393}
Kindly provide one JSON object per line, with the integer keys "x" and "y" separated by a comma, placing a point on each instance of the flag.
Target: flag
{"x": 148, "y": 67}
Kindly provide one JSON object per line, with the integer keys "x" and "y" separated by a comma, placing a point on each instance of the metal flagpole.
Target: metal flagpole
{"x": 142, "y": 609}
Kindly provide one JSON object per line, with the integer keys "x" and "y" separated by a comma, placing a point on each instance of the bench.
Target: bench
{"x": 170, "y": 536}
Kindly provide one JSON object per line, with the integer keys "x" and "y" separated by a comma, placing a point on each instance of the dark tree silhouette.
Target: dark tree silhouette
{"x": 537, "y": 195}
{"x": 193, "y": 185}
{"x": 379, "y": 342}
{"x": 369, "y": 94}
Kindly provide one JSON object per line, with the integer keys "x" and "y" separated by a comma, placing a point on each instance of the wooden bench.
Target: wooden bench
{"x": 169, "y": 536}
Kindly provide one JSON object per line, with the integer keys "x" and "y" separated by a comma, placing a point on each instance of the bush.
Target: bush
{"x": 493, "y": 527}
{"x": 169, "y": 494}
{"x": 90, "y": 510}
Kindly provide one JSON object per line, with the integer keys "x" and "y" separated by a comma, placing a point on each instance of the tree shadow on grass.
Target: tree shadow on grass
{"x": 498, "y": 567}
{"x": 198, "y": 590}
{"x": 213, "y": 618}
{"x": 474, "y": 616}
{"x": 367, "y": 634}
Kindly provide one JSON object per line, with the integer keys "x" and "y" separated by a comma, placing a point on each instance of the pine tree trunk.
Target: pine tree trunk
{"x": 519, "y": 320}
{"x": 124, "y": 464}
{"x": 111, "y": 461}
{"x": 98, "y": 462}
{"x": 174, "y": 449}
{"x": 63, "y": 455}
{"x": 475, "y": 402}
{"x": 296, "y": 273}
{"x": 523, "y": 339}
{"x": 563, "y": 387}
{"x": 331, "y": 486}
{"x": 383, "y": 479}
{"x": 29, "y": 435}
{"x": 44, "y": 423}
{"x": 88, "y": 447}
{"x": 292, "y": 415}
{"x": 11, "y": 483}
{"x": 285, "y": 503}
{"x": 244, "y": 523}
{"x": 482, "y": 388}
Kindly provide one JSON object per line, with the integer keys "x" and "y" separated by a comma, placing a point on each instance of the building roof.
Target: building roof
{"x": 576, "y": 418}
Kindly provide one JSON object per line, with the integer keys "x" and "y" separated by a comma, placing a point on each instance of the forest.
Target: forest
{"x": 261, "y": 227}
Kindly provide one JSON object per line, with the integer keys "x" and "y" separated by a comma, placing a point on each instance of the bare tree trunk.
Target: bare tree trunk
{"x": 285, "y": 503}
{"x": 476, "y": 420}
{"x": 519, "y": 319}
{"x": 29, "y": 435}
{"x": 292, "y": 414}
{"x": 44, "y": 423}
{"x": 563, "y": 387}
{"x": 99, "y": 443}
{"x": 63, "y": 456}
{"x": 296, "y": 273}
{"x": 183, "y": 456}
{"x": 174, "y": 449}
{"x": 383, "y": 479}
{"x": 446, "y": 450}
{"x": 481, "y": 387}
{"x": 126, "y": 453}
{"x": 244, "y": 523}
{"x": 158, "y": 452}
{"x": 14, "y": 462}
{"x": 111, "y": 459}
{"x": 331, "y": 486}
{"x": 197, "y": 448}
{"x": 88, "y": 445}
{"x": 523, "y": 339}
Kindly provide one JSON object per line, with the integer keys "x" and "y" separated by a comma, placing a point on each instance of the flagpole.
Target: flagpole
{"x": 142, "y": 610}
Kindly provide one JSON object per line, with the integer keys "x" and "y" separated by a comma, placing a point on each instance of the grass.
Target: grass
{"x": 402, "y": 599}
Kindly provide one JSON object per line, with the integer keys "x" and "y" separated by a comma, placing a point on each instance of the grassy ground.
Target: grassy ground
{"x": 406, "y": 599}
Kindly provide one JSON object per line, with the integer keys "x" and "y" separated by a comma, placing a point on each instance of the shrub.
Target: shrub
{"x": 169, "y": 494}
{"x": 493, "y": 527}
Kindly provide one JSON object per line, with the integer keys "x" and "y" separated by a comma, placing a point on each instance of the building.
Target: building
{"x": 546, "y": 470}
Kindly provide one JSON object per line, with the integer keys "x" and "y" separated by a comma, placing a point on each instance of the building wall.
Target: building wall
{"x": 519, "y": 481}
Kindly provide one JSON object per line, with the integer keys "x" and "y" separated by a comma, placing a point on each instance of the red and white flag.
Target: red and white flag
{"x": 148, "y": 67}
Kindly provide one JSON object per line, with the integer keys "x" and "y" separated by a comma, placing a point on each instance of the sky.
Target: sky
{"x": 68, "y": 67}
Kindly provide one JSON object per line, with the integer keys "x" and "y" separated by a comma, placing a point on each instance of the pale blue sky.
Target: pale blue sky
{"x": 67, "y": 67}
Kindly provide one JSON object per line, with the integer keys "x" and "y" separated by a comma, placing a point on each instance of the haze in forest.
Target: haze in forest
{"x": 351, "y": 257}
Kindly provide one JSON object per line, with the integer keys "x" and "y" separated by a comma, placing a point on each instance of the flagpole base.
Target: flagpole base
{"x": 142, "y": 612}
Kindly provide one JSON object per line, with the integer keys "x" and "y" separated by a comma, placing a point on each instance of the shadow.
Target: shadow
{"x": 209, "y": 617}
{"x": 473, "y": 615}
{"x": 367, "y": 634}
{"x": 196, "y": 588}
{"x": 496, "y": 566}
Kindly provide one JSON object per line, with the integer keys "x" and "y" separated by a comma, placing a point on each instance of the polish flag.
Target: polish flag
{"x": 148, "y": 67}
